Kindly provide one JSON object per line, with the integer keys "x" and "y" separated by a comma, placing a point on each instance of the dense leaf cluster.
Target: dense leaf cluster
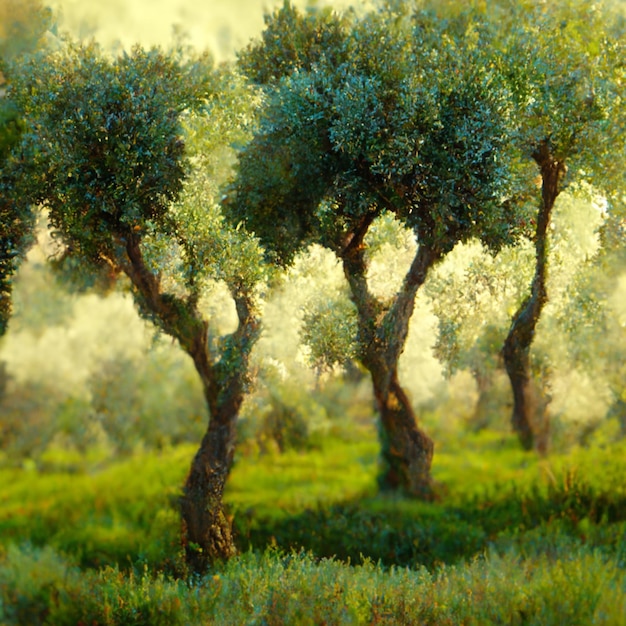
{"x": 103, "y": 147}
{"x": 22, "y": 26}
{"x": 398, "y": 116}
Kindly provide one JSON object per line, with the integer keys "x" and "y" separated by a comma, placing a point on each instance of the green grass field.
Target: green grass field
{"x": 512, "y": 540}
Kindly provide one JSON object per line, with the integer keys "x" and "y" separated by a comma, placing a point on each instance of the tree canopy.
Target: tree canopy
{"x": 401, "y": 113}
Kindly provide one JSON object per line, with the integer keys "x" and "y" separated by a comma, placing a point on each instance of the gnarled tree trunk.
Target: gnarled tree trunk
{"x": 528, "y": 405}
{"x": 406, "y": 450}
{"x": 207, "y": 530}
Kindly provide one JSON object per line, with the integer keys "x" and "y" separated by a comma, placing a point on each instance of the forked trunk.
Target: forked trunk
{"x": 406, "y": 450}
{"x": 527, "y": 419}
{"x": 207, "y": 531}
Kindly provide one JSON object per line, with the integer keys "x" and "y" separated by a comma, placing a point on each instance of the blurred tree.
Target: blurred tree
{"x": 391, "y": 113}
{"x": 23, "y": 24}
{"x": 103, "y": 151}
{"x": 473, "y": 294}
{"x": 565, "y": 66}
{"x": 329, "y": 331}
{"x": 594, "y": 317}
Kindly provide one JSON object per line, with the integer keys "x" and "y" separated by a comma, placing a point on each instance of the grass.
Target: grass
{"x": 513, "y": 540}
{"x": 581, "y": 587}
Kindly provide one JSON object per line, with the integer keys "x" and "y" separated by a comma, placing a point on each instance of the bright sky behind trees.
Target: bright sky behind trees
{"x": 221, "y": 25}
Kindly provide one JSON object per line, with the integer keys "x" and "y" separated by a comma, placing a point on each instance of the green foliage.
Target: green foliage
{"x": 121, "y": 515}
{"x": 384, "y": 130}
{"x": 293, "y": 414}
{"x": 22, "y": 25}
{"x": 105, "y": 135}
{"x": 292, "y": 41}
{"x": 29, "y": 581}
{"x": 329, "y": 331}
{"x": 154, "y": 403}
{"x": 285, "y": 421}
{"x": 565, "y": 69}
{"x": 35, "y": 415}
{"x": 578, "y": 587}
{"x": 517, "y": 540}
{"x": 387, "y": 533}
{"x": 473, "y": 294}
{"x": 125, "y": 404}
{"x": 569, "y": 499}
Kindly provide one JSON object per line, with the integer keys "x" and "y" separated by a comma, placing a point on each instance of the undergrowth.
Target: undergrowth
{"x": 580, "y": 587}
{"x": 512, "y": 540}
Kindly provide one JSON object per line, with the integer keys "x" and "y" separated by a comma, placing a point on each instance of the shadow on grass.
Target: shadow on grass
{"x": 400, "y": 532}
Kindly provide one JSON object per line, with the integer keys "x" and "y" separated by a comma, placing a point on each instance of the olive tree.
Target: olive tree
{"x": 103, "y": 150}
{"x": 473, "y": 294}
{"x": 390, "y": 113}
{"x": 565, "y": 65}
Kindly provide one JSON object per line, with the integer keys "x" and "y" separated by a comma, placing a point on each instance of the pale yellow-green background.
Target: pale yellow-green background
{"x": 221, "y": 25}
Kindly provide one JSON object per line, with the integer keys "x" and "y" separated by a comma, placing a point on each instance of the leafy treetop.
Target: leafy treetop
{"x": 564, "y": 62}
{"x": 411, "y": 120}
{"x": 103, "y": 148}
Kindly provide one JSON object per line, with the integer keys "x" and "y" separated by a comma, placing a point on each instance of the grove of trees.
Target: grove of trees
{"x": 160, "y": 172}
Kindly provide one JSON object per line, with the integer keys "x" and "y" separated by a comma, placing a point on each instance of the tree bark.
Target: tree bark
{"x": 528, "y": 404}
{"x": 207, "y": 531}
{"x": 206, "y": 528}
{"x": 406, "y": 450}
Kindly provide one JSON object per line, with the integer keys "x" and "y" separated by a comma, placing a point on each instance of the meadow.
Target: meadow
{"x": 94, "y": 459}
{"x": 512, "y": 540}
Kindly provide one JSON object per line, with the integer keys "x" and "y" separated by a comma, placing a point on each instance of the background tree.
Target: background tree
{"x": 22, "y": 28}
{"x": 473, "y": 294}
{"x": 592, "y": 323}
{"x": 565, "y": 67}
{"x": 103, "y": 151}
{"x": 396, "y": 114}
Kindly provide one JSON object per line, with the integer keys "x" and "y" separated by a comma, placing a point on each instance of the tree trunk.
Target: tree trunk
{"x": 207, "y": 531}
{"x": 406, "y": 450}
{"x": 526, "y": 419}
{"x": 482, "y": 410}
{"x": 517, "y": 361}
